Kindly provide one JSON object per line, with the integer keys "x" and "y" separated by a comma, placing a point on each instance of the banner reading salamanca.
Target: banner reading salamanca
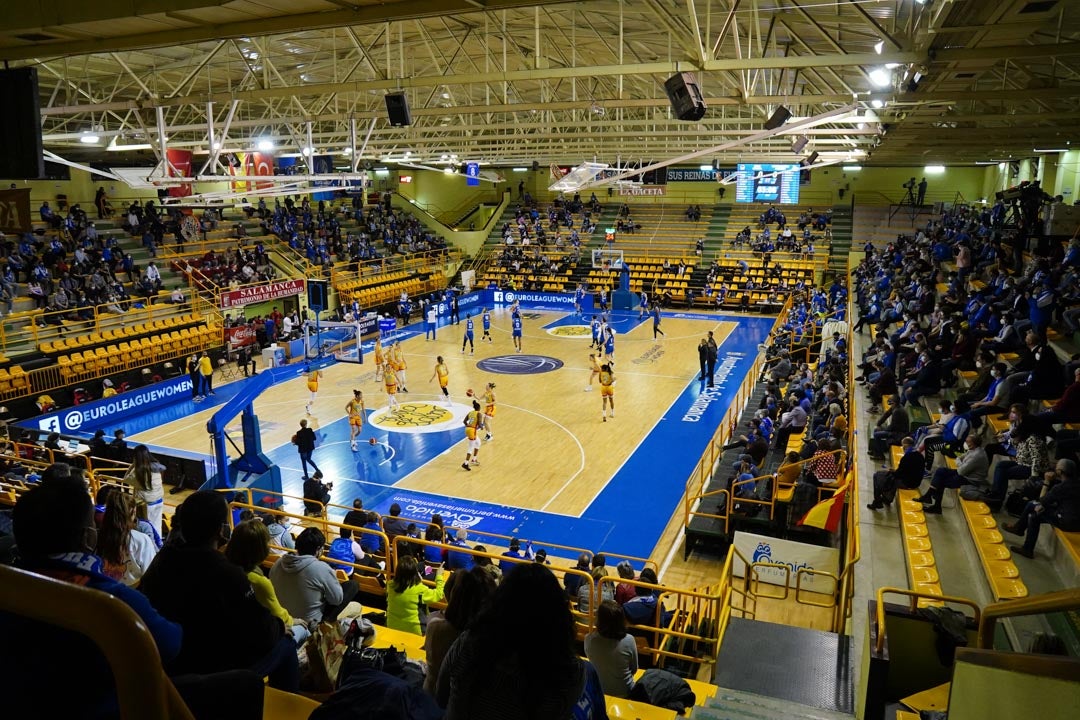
{"x": 261, "y": 293}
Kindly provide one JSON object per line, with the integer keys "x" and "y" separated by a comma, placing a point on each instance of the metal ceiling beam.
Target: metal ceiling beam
{"x": 249, "y": 27}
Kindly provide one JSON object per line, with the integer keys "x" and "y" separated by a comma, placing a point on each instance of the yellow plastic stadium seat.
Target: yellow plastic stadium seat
{"x": 994, "y": 553}
{"x": 921, "y": 559}
{"x": 920, "y": 575}
{"x": 986, "y": 536}
{"x": 983, "y": 522}
{"x": 913, "y": 516}
{"x": 917, "y": 544}
{"x": 1005, "y": 569}
{"x": 975, "y": 507}
{"x": 915, "y": 530}
{"x": 1007, "y": 588}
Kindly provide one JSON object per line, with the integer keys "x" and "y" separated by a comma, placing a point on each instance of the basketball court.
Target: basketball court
{"x": 553, "y": 470}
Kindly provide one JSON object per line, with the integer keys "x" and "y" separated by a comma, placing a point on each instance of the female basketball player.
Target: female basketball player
{"x": 379, "y": 359}
{"x": 313, "y": 387}
{"x": 443, "y": 373}
{"x": 397, "y": 359}
{"x": 473, "y": 421}
{"x": 607, "y": 391}
{"x": 355, "y": 411}
{"x": 391, "y": 385}
{"x": 489, "y": 408}
{"x": 594, "y": 370}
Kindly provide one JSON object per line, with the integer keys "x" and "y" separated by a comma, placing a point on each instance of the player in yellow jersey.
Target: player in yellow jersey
{"x": 594, "y": 370}
{"x": 313, "y": 386}
{"x": 607, "y": 391}
{"x": 398, "y": 360}
{"x": 443, "y": 373}
{"x": 489, "y": 408}
{"x": 355, "y": 410}
{"x": 379, "y": 359}
{"x": 390, "y": 383}
{"x": 474, "y": 420}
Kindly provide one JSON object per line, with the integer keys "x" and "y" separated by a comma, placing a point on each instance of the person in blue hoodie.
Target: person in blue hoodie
{"x": 55, "y": 533}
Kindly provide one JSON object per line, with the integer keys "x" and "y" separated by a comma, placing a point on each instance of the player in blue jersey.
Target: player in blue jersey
{"x": 486, "y": 319}
{"x": 656, "y": 322}
{"x": 468, "y": 339}
{"x": 579, "y": 297}
{"x": 609, "y": 347}
{"x": 515, "y": 332}
{"x": 595, "y": 326}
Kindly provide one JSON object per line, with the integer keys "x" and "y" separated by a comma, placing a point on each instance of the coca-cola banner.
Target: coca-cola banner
{"x": 261, "y": 293}
{"x": 240, "y": 335}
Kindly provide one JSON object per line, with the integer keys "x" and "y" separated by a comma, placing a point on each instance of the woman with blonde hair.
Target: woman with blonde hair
{"x": 145, "y": 477}
{"x": 126, "y": 553}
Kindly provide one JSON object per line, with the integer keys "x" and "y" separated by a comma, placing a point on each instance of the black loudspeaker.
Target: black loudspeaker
{"x": 316, "y": 295}
{"x": 20, "y": 125}
{"x": 813, "y": 158}
{"x": 685, "y": 96}
{"x": 536, "y": 165}
{"x": 778, "y": 118}
{"x": 397, "y": 109}
{"x": 799, "y": 143}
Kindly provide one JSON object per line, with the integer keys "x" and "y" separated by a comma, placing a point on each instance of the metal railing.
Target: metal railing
{"x": 1060, "y": 601}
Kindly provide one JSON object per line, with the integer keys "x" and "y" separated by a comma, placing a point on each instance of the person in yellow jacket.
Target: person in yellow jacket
{"x": 406, "y": 592}
{"x": 206, "y": 374}
{"x": 248, "y": 546}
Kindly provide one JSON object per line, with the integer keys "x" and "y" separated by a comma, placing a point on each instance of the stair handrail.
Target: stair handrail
{"x": 1059, "y": 601}
{"x": 915, "y": 596}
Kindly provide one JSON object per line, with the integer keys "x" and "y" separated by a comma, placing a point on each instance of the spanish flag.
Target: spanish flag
{"x": 826, "y": 514}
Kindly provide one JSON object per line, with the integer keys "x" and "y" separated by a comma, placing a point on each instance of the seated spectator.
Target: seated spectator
{"x": 225, "y": 627}
{"x": 466, "y": 595}
{"x": 406, "y": 593}
{"x": 1059, "y": 506}
{"x": 281, "y": 538}
{"x": 971, "y": 469}
{"x": 641, "y": 609}
{"x": 612, "y": 651}
{"x": 392, "y": 524}
{"x": 308, "y": 587}
{"x": 518, "y": 659}
{"x": 346, "y": 550}
{"x": 455, "y": 559}
{"x": 908, "y": 474}
{"x": 248, "y": 547}
{"x": 53, "y": 526}
{"x": 595, "y": 589}
{"x": 571, "y": 581}
{"x": 125, "y": 552}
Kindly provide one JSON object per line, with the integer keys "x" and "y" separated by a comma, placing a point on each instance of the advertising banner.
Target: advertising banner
{"x": 240, "y": 335}
{"x": 794, "y": 556}
{"x": 117, "y": 408}
{"x": 643, "y": 190}
{"x": 15, "y": 211}
{"x": 261, "y": 293}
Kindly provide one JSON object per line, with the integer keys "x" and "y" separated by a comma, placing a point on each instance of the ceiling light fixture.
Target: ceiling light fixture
{"x": 89, "y": 138}
{"x": 265, "y": 145}
{"x": 879, "y": 46}
{"x": 877, "y": 104}
{"x": 880, "y": 77}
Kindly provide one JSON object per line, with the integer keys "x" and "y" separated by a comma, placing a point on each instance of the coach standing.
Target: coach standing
{"x": 703, "y": 357}
{"x": 304, "y": 439}
{"x": 711, "y": 359}
{"x": 206, "y": 371}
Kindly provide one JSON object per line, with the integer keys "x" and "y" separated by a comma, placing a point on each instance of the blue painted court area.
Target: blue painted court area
{"x": 628, "y": 516}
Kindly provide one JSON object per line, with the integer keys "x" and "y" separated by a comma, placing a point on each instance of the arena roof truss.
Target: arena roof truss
{"x": 506, "y": 82}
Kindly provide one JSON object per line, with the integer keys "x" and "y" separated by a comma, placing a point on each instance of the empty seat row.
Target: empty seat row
{"x": 143, "y": 351}
{"x": 117, "y": 334}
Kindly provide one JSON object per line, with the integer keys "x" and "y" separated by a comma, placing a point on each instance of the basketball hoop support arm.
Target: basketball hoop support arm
{"x": 252, "y": 465}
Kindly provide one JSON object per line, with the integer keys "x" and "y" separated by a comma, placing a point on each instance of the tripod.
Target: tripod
{"x": 909, "y": 200}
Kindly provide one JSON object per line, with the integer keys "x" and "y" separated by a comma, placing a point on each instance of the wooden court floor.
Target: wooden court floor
{"x": 551, "y": 451}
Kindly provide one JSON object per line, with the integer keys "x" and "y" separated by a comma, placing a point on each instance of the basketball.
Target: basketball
{"x": 469, "y": 392}
{"x": 372, "y": 441}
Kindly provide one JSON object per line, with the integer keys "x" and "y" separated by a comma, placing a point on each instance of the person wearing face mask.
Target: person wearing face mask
{"x": 954, "y": 428}
{"x": 971, "y": 469}
{"x": 994, "y": 400}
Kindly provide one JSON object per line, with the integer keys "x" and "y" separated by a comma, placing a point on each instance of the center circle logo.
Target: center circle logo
{"x": 414, "y": 417}
{"x": 519, "y": 364}
{"x": 74, "y": 420}
{"x": 571, "y": 331}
